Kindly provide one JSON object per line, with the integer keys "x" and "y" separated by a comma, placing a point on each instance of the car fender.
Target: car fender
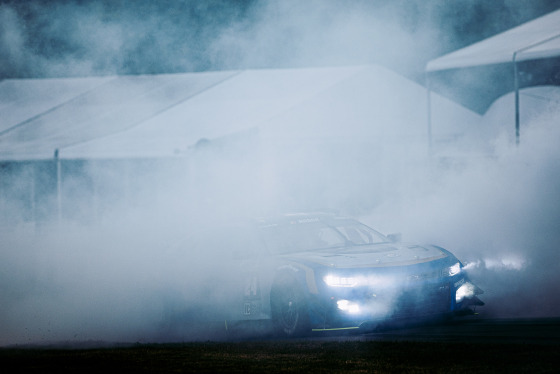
{"x": 302, "y": 274}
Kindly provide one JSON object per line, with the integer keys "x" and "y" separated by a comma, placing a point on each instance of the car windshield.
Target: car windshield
{"x": 308, "y": 234}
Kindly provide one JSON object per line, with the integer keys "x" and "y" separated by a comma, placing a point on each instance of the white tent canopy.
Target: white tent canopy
{"x": 87, "y": 108}
{"x": 163, "y": 115}
{"x": 22, "y": 100}
{"x": 539, "y": 38}
{"x": 241, "y": 103}
{"x": 374, "y": 105}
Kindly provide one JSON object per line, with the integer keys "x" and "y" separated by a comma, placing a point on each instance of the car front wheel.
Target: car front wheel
{"x": 289, "y": 309}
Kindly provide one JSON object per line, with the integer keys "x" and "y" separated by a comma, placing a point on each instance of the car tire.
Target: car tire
{"x": 289, "y": 309}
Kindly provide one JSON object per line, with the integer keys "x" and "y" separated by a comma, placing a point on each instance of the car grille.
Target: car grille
{"x": 421, "y": 301}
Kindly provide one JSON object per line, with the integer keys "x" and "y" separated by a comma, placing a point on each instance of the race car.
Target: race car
{"x": 323, "y": 272}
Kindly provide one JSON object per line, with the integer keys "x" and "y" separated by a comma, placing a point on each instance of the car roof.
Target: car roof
{"x": 299, "y": 218}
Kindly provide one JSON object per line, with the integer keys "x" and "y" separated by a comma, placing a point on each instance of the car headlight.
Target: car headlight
{"x": 348, "y": 306}
{"x": 338, "y": 281}
{"x": 466, "y": 291}
{"x": 452, "y": 270}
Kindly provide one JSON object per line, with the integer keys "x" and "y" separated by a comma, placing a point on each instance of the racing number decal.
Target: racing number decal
{"x": 251, "y": 295}
{"x": 251, "y": 287}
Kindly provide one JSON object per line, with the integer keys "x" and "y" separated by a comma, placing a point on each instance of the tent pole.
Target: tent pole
{"x": 516, "y": 86}
{"x": 32, "y": 195}
{"x": 429, "y": 119}
{"x": 95, "y": 198}
{"x": 58, "y": 186}
{"x": 516, "y": 79}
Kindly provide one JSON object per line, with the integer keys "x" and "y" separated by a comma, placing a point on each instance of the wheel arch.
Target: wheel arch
{"x": 281, "y": 312}
{"x": 301, "y": 275}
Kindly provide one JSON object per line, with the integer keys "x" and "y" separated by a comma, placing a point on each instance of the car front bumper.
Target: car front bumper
{"x": 365, "y": 308}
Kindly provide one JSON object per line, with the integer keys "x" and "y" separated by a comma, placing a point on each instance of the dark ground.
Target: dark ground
{"x": 486, "y": 346}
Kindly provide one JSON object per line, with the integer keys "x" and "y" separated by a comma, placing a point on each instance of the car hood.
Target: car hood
{"x": 378, "y": 255}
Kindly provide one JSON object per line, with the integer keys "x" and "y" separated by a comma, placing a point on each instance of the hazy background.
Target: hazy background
{"x": 497, "y": 209}
{"x": 81, "y": 38}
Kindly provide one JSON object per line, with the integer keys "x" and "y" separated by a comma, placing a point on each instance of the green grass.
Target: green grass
{"x": 290, "y": 356}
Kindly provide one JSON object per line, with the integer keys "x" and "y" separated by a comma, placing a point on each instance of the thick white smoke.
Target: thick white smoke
{"x": 498, "y": 212}
{"x": 118, "y": 278}
{"x": 123, "y": 276}
{"x": 76, "y": 38}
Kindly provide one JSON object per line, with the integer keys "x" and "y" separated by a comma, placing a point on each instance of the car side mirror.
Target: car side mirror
{"x": 397, "y": 237}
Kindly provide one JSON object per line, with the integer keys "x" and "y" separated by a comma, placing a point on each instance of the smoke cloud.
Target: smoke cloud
{"x": 498, "y": 213}
{"x": 120, "y": 269}
{"x": 77, "y": 38}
